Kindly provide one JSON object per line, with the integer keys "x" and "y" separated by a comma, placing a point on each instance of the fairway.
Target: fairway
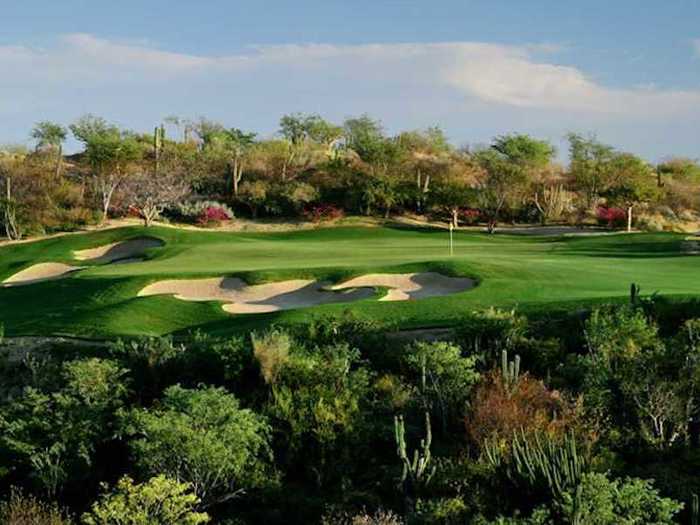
{"x": 528, "y": 272}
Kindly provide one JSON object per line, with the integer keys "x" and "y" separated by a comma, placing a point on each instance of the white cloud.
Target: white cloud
{"x": 487, "y": 73}
{"x": 487, "y": 86}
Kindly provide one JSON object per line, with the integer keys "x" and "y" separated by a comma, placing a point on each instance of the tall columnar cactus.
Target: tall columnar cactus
{"x": 543, "y": 461}
{"x": 634, "y": 294}
{"x": 416, "y": 472}
{"x": 510, "y": 372}
{"x": 158, "y": 140}
{"x": 695, "y": 510}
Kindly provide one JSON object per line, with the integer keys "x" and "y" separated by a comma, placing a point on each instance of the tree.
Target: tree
{"x": 11, "y": 208}
{"x": 632, "y": 182}
{"x": 158, "y": 501}
{"x": 54, "y": 433}
{"x": 501, "y": 181}
{"x": 202, "y": 437}
{"x": 443, "y": 377}
{"x": 50, "y": 136}
{"x": 589, "y": 166}
{"x": 428, "y": 155}
{"x": 110, "y": 153}
{"x": 150, "y": 195}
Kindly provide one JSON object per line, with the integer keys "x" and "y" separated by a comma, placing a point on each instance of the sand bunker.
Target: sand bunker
{"x": 121, "y": 252}
{"x": 241, "y": 298}
{"x": 39, "y": 273}
{"x": 405, "y": 286}
{"x": 691, "y": 245}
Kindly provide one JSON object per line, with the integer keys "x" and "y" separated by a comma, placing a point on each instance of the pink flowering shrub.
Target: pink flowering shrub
{"x": 611, "y": 217}
{"x": 213, "y": 215}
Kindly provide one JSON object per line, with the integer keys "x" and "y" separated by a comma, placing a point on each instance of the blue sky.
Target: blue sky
{"x": 626, "y": 70}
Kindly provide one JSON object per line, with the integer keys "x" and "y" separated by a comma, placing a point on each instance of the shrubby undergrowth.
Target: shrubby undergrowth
{"x": 341, "y": 422}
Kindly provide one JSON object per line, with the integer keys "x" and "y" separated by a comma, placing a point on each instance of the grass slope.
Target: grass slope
{"x": 531, "y": 272}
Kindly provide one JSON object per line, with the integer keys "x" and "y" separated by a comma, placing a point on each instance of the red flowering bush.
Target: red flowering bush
{"x": 469, "y": 215}
{"x": 323, "y": 212}
{"x": 213, "y": 215}
{"x": 611, "y": 217}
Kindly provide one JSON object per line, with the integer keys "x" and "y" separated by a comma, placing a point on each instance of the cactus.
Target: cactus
{"x": 158, "y": 140}
{"x": 510, "y": 372}
{"x": 634, "y": 294}
{"x": 543, "y": 461}
{"x": 695, "y": 510}
{"x": 416, "y": 471}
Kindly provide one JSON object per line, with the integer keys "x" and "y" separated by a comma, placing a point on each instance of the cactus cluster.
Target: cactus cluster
{"x": 510, "y": 372}
{"x": 416, "y": 471}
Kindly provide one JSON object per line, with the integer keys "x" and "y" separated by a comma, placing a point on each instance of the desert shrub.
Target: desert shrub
{"x": 380, "y": 517}
{"x": 203, "y": 437}
{"x": 611, "y": 217}
{"x": 529, "y": 407}
{"x": 617, "y": 334}
{"x": 159, "y": 501}
{"x": 442, "y": 378}
{"x": 492, "y": 330}
{"x": 323, "y": 212}
{"x": 202, "y": 213}
{"x": 22, "y": 509}
{"x": 271, "y": 350}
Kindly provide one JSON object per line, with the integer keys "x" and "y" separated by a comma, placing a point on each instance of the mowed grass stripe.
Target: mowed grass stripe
{"x": 512, "y": 271}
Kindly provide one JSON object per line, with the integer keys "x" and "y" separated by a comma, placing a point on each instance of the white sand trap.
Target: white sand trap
{"x": 39, "y": 273}
{"x": 123, "y": 252}
{"x": 405, "y": 286}
{"x": 241, "y": 298}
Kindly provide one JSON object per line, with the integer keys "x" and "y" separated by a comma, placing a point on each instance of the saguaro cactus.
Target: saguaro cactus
{"x": 416, "y": 472}
{"x": 510, "y": 372}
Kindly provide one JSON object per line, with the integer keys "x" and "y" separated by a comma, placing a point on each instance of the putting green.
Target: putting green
{"x": 532, "y": 272}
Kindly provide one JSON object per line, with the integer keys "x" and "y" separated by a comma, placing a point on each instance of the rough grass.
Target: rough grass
{"x": 536, "y": 273}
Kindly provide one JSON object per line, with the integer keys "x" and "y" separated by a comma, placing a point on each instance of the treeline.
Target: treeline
{"x": 575, "y": 419}
{"x": 205, "y": 173}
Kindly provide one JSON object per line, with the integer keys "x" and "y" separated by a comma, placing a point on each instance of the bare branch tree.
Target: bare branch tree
{"x": 149, "y": 195}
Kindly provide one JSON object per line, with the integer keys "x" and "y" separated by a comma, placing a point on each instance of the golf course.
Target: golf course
{"x": 100, "y": 295}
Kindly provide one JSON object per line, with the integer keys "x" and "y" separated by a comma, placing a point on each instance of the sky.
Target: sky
{"x": 627, "y": 71}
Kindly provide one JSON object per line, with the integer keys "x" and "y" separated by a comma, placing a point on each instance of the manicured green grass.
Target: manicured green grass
{"x": 529, "y": 272}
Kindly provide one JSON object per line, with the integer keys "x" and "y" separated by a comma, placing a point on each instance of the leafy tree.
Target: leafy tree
{"x": 501, "y": 181}
{"x": 320, "y": 397}
{"x": 603, "y": 501}
{"x": 589, "y": 166}
{"x": 202, "y": 437}
{"x": 443, "y": 377}
{"x": 54, "y": 434}
{"x": 111, "y": 154}
{"x": 50, "y": 136}
{"x": 158, "y": 501}
{"x": 428, "y": 156}
{"x": 632, "y": 183}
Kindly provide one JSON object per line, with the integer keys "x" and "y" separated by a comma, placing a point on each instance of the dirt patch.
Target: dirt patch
{"x": 39, "y": 273}
{"x": 405, "y": 286}
{"x": 122, "y": 252}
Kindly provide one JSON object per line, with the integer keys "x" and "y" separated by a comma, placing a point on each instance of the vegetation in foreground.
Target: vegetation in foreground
{"x": 589, "y": 418}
